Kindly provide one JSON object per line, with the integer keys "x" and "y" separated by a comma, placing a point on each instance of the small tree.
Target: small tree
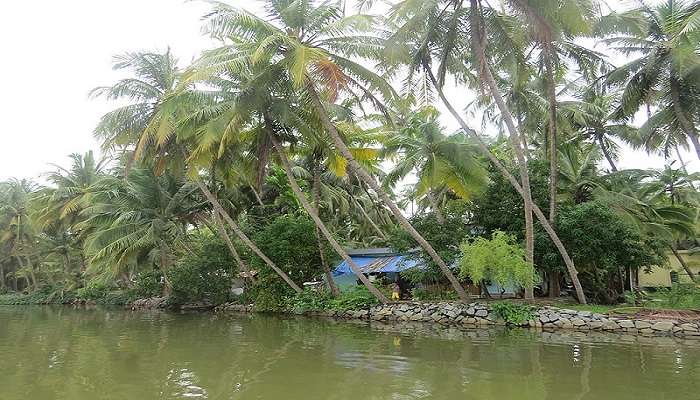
{"x": 499, "y": 259}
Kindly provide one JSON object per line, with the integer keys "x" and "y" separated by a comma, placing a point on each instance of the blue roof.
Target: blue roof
{"x": 369, "y": 264}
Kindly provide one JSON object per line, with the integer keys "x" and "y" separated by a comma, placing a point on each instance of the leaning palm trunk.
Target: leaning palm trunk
{"x": 222, "y": 232}
{"x": 685, "y": 123}
{"x": 514, "y": 182}
{"x": 369, "y": 180}
{"x": 244, "y": 238}
{"x": 606, "y": 153}
{"x": 370, "y": 220}
{"x": 480, "y": 47}
{"x": 314, "y": 215}
{"x": 683, "y": 264}
{"x": 321, "y": 250}
{"x": 436, "y": 207}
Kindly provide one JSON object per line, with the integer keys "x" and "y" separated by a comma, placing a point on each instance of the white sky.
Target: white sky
{"x": 55, "y": 52}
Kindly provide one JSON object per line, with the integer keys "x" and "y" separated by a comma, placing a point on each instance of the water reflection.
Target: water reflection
{"x": 59, "y": 353}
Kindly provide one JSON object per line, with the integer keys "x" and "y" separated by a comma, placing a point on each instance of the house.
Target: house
{"x": 388, "y": 264}
{"x": 375, "y": 263}
{"x": 666, "y": 276}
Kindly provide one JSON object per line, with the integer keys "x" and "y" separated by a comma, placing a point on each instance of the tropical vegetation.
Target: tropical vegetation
{"x": 314, "y": 127}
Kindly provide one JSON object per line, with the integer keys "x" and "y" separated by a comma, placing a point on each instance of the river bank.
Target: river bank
{"x": 479, "y": 314}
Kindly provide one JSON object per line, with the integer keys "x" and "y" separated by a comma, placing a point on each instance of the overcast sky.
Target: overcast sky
{"x": 55, "y": 52}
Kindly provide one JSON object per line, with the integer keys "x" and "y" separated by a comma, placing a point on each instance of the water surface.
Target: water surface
{"x": 61, "y": 353}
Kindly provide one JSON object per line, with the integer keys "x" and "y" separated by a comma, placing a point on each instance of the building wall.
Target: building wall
{"x": 661, "y": 276}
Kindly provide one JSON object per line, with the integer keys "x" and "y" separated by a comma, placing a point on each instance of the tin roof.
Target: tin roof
{"x": 381, "y": 263}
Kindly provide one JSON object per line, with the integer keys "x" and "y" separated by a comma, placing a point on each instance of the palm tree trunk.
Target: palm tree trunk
{"x": 385, "y": 219}
{"x": 243, "y": 266}
{"x": 606, "y": 152}
{"x": 2, "y": 276}
{"x": 370, "y": 220}
{"x": 515, "y": 138}
{"x": 335, "y": 292}
{"x": 66, "y": 263}
{"x": 369, "y": 180}
{"x": 553, "y": 153}
{"x": 554, "y": 285}
{"x": 504, "y": 171}
{"x": 314, "y": 215}
{"x": 692, "y": 134}
{"x": 686, "y": 125}
{"x": 244, "y": 238}
{"x": 164, "y": 263}
{"x": 32, "y": 274}
{"x": 257, "y": 195}
{"x": 436, "y": 208}
{"x": 680, "y": 158}
{"x": 684, "y": 264}
{"x": 523, "y": 137}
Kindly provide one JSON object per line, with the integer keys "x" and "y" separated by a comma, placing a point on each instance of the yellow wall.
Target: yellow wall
{"x": 661, "y": 276}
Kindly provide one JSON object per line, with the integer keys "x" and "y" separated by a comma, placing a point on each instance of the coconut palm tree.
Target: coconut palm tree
{"x": 666, "y": 73}
{"x": 311, "y": 44}
{"x": 593, "y": 120}
{"x": 17, "y": 232}
{"x": 58, "y": 207}
{"x": 577, "y": 171}
{"x": 438, "y": 161}
{"x": 63, "y": 202}
{"x": 136, "y": 221}
{"x": 636, "y": 195}
{"x": 552, "y": 28}
{"x": 428, "y": 30}
{"x": 265, "y": 110}
{"x": 148, "y": 124}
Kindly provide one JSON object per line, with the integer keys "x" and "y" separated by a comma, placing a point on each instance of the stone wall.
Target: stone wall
{"x": 481, "y": 315}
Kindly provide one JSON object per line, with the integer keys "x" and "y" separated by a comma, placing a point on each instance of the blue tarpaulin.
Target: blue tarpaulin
{"x": 370, "y": 264}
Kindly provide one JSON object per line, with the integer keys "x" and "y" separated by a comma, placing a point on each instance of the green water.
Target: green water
{"x": 61, "y": 353}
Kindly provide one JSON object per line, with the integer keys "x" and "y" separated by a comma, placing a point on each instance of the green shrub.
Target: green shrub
{"x": 93, "y": 291}
{"x": 13, "y": 299}
{"x": 271, "y": 294}
{"x": 148, "y": 284}
{"x": 290, "y": 241}
{"x": 269, "y": 300}
{"x": 679, "y": 296}
{"x": 357, "y": 298}
{"x": 199, "y": 282}
{"x": 512, "y": 313}
{"x": 118, "y": 297}
{"x": 46, "y": 294}
{"x": 309, "y": 301}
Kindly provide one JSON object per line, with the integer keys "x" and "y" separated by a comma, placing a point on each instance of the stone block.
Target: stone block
{"x": 642, "y": 324}
{"x": 595, "y": 324}
{"x": 610, "y": 325}
{"x": 689, "y": 327}
{"x": 663, "y": 326}
{"x": 625, "y": 323}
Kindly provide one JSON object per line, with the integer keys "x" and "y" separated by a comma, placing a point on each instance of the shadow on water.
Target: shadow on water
{"x": 62, "y": 353}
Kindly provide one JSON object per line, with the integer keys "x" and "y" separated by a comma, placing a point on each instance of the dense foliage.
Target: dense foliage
{"x": 263, "y": 160}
